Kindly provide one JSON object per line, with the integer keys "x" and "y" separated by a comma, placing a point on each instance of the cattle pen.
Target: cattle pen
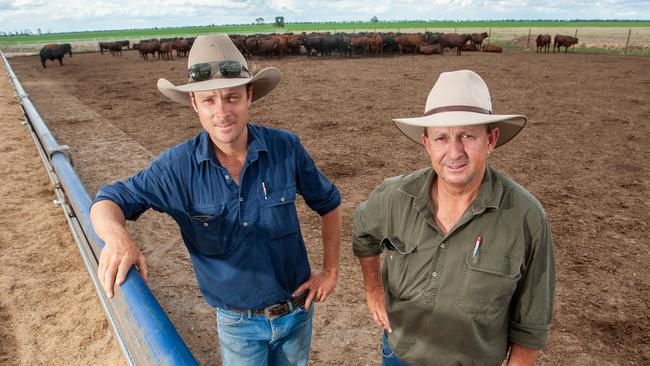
{"x": 582, "y": 154}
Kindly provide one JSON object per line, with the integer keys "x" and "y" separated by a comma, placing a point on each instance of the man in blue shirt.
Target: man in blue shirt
{"x": 231, "y": 189}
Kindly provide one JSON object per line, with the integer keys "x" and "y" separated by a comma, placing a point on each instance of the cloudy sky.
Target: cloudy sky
{"x": 79, "y": 15}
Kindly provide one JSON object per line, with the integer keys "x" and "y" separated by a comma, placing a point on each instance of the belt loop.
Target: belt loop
{"x": 290, "y": 306}
{"x": 249, "y": 314}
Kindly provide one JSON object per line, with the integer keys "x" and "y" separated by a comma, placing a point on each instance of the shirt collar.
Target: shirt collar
{"x": 419, "y": 184}
{"x": 204, "y": 150}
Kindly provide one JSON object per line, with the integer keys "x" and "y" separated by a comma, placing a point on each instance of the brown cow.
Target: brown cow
{"x": 477, "y": 40}
{"x": 283, "y": 44}
{"x": 430, "y": 49}
{"x": 146, "y": 48}
{"x": 250, "y": 46}
{"x": 360, "y": 43}
{"x": 543, "y": 42}
{"x": 566, "y": 41}
{"x": 165, "y": 50}
{"x": 492, "y": 48}
{"x": 182, "y": 47}
{"x": 409, "y": 41}
{"x": 266, "y": 46}
{"x": 453, "y": 40}
{"x": 376, "y": 44}
{"x": 104, "y": 46}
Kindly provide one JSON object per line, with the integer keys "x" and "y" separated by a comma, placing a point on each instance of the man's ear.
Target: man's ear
{"x": 193, "y": 101}
{"x": 493, "y": 137}
{"x": 249, "y": 91}
{"x": 425, "y": 140}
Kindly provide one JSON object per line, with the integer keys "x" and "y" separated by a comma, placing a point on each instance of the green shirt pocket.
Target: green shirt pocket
{"x": 396, "y": 269}
{"x": 488, "y": 283}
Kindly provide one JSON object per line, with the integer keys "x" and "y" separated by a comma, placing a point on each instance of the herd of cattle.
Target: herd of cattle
{"x": 317, "y": 44}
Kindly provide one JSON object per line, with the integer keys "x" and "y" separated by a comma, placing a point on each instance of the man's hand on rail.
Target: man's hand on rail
{"x": 120, "y": 251}
{"x": 116, "y": 259}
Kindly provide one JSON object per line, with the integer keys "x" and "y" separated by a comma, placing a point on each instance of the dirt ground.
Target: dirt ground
{"x": 584, "y": 154}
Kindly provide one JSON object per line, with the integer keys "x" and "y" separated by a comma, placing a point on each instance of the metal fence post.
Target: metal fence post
{"x": 528, "y": 40}
{"x": 627, "y": 43}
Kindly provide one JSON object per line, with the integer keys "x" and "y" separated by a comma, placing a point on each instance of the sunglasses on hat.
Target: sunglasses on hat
{"x": 206, "y": 70}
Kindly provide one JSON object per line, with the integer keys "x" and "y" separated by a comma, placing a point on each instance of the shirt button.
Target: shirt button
{"x": 442, "y": 245}
{"x": 241, "y": 199}
{"x": 282, "y": 199}
{"x": 205, "y": 224}
{"x": 434, "y": 274}
{"x": 245, "y": 223}
{"x": 227, "y": 177}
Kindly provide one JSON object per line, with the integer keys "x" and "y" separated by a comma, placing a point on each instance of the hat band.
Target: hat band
{"x": 458, "y": 108}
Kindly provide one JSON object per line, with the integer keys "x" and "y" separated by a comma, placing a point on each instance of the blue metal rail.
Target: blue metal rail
{"x": 143, "y": 330}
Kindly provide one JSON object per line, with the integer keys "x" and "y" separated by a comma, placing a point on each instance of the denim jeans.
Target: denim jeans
{"x": 257, "y": 340}
{"x": 388, "y": 357}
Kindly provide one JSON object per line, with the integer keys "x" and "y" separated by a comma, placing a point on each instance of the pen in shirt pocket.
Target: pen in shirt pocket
{"x": 264, "y": 190}
{"x": 477, "y": 247}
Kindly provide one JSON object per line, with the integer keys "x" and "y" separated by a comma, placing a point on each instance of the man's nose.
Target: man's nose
{"x": 456, "y": 148}
{"x": 220, "y": 108}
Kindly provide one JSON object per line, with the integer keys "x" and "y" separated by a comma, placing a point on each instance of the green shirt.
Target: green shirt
{"x": 445, "y": 305}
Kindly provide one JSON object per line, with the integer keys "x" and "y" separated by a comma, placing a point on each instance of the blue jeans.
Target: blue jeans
{"x": 257, "y": 340}
{"x": 388, "y": 357}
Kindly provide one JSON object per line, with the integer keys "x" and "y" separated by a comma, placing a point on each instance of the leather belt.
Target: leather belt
{"x": 274, "y": 311}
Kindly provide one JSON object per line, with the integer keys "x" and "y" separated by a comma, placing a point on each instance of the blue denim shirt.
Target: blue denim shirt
{"x": 244, "y": 240}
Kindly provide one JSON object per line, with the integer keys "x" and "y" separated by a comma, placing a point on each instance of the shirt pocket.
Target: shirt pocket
{"x": 278, "y": 216}
{"x": 488, "y": 284}
{"x": 210, "y": 234}
{"x": 399, "y": 256}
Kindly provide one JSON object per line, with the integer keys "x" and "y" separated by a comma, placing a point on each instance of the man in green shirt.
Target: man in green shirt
{"x": 469, "y": 269}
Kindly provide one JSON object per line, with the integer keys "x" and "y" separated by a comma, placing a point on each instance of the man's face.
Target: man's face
{"x": 223, "y": 112}
{"x": 459, "y": 154}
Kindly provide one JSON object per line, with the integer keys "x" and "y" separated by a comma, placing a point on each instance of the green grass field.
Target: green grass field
{"x": 309, "y": 27}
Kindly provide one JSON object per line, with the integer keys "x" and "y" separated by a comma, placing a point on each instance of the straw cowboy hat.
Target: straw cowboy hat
{"x": 460, "y": 98}
{"x": 215, "y": 63}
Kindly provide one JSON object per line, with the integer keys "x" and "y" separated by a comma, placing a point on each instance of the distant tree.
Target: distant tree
{"x": 374, "y": 20}
{"x": 38, "y": 30}
{"x": 259, "y": 21}
{"x": 279, "y": 22}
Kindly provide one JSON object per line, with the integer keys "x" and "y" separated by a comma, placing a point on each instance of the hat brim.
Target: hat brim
{"x": 509, "y": 125}
{"x": 263, "y": 83}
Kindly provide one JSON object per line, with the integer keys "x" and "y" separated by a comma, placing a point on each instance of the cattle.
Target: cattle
{"x": 125, "y": 43}
{"x": 266, "y": 46}
{"x": 492, "y": 48}
{"x": 477, "y": 39}
{"x": 165, "y": 50}
{"x": 115, "y": 48}
{"x": 409, "y": 42}
{"x": 376, "y": 44}
{"x": 181, "y": 46}
{"x": 389, "y": 43}
{"x": 250, "y": 46}
{"x": 54, "y": 52}
{"x": 543, "y": 42}
{"x": 283, "y": 44}
{"x": 563, "y": 41}
{"x": 146, "y": 48}
{"x": 430, "y": 49}
{"x": 104, "y": 46}
{"x": 453, "y": 40}
{"x": 360, "y": 44}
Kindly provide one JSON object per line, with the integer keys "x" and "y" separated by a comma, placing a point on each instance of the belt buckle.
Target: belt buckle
{"x": 275, "y": 311}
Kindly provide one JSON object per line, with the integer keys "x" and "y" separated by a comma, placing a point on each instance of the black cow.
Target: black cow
{"x": 55, "y": 52}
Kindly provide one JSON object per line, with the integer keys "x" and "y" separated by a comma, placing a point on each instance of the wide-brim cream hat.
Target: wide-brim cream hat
{"x": 214, "y": 49}
{"x": 460, "y": 98}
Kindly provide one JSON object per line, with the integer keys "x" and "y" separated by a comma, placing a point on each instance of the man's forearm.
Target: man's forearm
{"x": 371, "y": 273}
{"x": 522, "y": 356}
{"x": 331, "y": 236}
{"x": 107, "y": 219}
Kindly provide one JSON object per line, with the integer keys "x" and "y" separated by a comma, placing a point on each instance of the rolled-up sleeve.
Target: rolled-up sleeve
{"x": 137, "y": 193}
{"x": 319, "y": 193}
{"x": 533, "y": 307}
{"x": 368, "y": 224}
